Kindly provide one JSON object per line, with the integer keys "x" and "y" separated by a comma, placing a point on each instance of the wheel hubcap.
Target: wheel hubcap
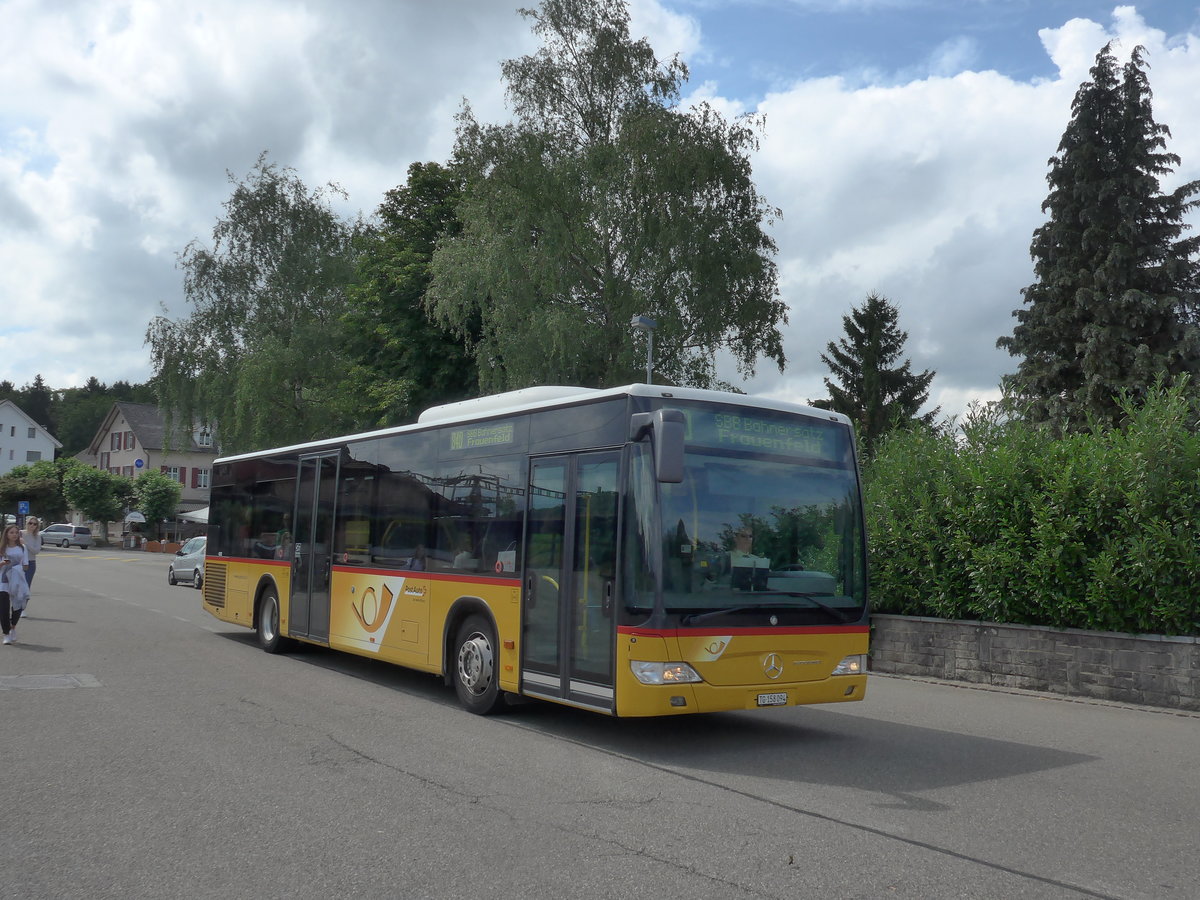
{"x": 475, "y": 663}
{"x": 270, "y": 619}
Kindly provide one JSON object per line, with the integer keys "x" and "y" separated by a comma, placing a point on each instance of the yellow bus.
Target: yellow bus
{"x": 636, "y": 551}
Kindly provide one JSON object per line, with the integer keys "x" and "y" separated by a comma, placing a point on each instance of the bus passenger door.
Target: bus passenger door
{"x": 312, "y": 545}
{"x": 568, "y": 623}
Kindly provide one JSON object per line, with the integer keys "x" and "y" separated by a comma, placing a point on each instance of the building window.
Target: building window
{"x": 104, "y": 460}
{"x": 33, "y": 455}
{"x": 129, "y": 442}
{"x": 204, "y": 438}
{"x": 171, "y": 472}
{"x": 127, "y": 471}
{"x": 200, "y": 478}
{"x": 33, "y": 432}
{"x": 114, "y": 441}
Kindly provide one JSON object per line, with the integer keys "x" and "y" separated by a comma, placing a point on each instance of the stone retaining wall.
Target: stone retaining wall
{"x": 1147, "y": 669}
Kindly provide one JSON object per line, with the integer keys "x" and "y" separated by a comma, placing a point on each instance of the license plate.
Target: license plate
{"x": 778, "y": 699}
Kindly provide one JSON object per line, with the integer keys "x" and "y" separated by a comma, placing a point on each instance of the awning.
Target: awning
{"x": 196, "y": 515}
{"x": 135, "y": 516}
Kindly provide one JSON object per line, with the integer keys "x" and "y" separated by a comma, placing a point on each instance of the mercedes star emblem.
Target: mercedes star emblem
{"x": 773, "y": 665}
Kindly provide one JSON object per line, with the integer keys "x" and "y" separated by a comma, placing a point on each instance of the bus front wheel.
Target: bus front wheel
{"x": 476, "y": 679}
{"x": 269, "y": 637}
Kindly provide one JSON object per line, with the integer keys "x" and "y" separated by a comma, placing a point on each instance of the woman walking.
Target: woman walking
{"x": 33, "y": 545}
{"x": 14, "y": 590}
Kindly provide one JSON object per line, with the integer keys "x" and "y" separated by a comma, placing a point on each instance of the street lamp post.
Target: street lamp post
{"x": 647, "y": 325}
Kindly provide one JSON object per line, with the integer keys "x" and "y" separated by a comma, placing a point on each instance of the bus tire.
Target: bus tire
{"x": 476, "y": 667}
{"x": 267, "y": 623}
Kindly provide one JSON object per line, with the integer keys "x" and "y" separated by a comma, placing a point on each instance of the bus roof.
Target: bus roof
{"x": 546, "y": 397}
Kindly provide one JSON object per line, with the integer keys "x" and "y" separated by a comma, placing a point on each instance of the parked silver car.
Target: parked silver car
{"x": 188, "y": 564}
{"x": 64, "y": 535}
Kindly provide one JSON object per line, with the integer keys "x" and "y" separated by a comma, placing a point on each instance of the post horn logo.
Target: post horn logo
{"x": 371, "y": 613}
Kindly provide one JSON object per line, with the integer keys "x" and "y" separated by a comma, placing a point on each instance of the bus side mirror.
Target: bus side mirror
{"x": 665, "y": 429}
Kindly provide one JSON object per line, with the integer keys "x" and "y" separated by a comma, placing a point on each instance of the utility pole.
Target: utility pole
{"x": 647, "y": 325}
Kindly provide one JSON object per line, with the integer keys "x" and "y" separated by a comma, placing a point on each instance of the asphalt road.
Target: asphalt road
{"x": 149, "y": 750}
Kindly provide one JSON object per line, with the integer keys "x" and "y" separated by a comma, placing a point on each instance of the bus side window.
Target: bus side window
{"x": 480, "y": 516}
{"x": 403, "y": 518}
{"x": 355, "y": 542}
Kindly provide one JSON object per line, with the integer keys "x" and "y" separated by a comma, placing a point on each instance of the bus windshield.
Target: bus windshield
{"x": 776, "y": 531}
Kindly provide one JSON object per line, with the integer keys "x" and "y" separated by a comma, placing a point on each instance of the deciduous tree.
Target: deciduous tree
{"x": 604, "y": 200}
{"x": 41, "y": 483}
{"x": 99, "y": 495}
{"x": 156, "y": 496}
{"x": 260, "y": 353}
{"x": 402, "y": 361}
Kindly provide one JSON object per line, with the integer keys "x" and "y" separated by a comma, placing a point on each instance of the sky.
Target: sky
{"x": 905, "y": 141}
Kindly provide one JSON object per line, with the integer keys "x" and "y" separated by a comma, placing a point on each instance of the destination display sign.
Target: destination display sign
{"x": 479, "y": 436}
{"x": 778, "y": 435}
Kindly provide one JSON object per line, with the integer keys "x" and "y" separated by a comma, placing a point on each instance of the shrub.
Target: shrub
{"x": 1002, "y": 521}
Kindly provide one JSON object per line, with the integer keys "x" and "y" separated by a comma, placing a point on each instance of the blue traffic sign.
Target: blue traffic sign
{"x": 139, "y": 463}
{"x": 22, "y": 507}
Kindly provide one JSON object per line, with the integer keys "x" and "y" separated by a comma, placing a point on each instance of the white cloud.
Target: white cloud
{"x": 1073, "y": 47}
{"x": 669, "y": 32}
{"x": 120, "y": 118}
{"x": 928, "y": 192}
{"x": 953, "y": 56}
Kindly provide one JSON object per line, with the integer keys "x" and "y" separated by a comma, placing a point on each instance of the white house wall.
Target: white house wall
{"x": 17, "y": 446}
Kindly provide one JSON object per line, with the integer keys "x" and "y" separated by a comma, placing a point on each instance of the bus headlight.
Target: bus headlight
{"x": 663, "y": 672}
{"x": 852, "y": 665}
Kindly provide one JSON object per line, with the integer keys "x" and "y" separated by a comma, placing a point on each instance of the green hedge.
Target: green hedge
{"x": 1004, "y": 522}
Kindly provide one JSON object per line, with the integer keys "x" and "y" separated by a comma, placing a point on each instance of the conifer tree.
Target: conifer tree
{"x": 1114, "y": 306}
{"x": 872, "y": 390}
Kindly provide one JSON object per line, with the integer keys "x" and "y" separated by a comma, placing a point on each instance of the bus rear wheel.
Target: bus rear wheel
{"x": 476, "y": 680}
{"x": 267, "y": 627}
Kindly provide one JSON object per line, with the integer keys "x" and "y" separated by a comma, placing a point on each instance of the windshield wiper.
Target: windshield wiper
{"x": 700, "y": 617}
{"x": 812, "y": 598}
{"x": 839, "y": 614}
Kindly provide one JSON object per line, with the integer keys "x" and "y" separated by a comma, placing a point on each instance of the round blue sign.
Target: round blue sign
{"x": 139, "y": 463}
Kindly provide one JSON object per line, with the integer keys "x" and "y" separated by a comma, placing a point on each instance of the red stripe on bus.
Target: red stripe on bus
{"x": 363, "y": 570}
